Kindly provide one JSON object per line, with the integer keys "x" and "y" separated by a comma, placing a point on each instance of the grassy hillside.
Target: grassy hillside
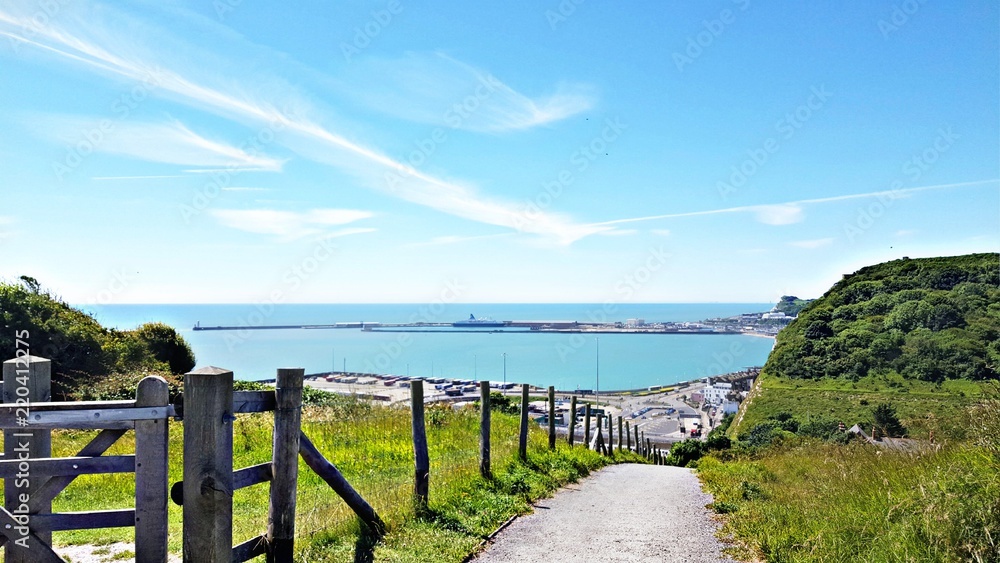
{"x": 931, "y": 319}
{"x": 89, "y": 361}
{"x": 911, "y": 347}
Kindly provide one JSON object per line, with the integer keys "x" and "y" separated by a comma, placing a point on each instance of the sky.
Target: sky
{"x": 183, "y": 151}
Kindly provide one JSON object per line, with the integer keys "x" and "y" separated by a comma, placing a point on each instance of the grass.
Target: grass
{"x": 824, "y": 502}
{"x": 371, "y": 445}
{"x": 802, "y": 499}
{"x": 922, "y": 406}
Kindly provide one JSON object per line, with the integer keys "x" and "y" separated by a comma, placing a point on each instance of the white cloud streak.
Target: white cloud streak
{"x": 91, "y": 35}
{"x": 792, "y": 212}
{"x": 435, "y": 88}
{"x": 288, "y": 225}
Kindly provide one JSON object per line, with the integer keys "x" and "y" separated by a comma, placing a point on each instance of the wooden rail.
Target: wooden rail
{"x": 26, "y": 521}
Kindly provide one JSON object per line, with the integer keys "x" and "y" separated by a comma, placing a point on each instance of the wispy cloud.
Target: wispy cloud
{"x": 169, "y": 142}
{"x": 814, "y": 243}
{"x": 437, "y": 89}
{"x": 905, "y": 232}
{"x": 660, "y": 232}
{"x": 793, "y": 212}
{"x": 289, "y": 225}
{"x": 90, "y": 36}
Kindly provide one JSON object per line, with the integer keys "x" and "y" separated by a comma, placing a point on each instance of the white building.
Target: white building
{"x": 633, "y": 323}
{"x": 716, "y": 393}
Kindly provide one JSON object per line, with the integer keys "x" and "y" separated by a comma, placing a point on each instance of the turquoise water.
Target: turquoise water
{"x": 568, "y": 361}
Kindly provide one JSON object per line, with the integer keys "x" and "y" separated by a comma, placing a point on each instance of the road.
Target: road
{"x": 626, "y": 512}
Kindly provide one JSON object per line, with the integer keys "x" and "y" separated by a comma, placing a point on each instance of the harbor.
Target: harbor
{"x": 630, "y": 326}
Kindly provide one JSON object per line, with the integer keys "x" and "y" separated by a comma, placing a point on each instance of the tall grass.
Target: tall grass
{"x": 372, "y": 447}
{"x": 822, "y": 502}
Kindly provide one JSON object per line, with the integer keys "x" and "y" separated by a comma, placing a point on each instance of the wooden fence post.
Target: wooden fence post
{"x": 638, "y": 445}
{"x": 208, "y": 466}
{"x": 611, "y": 435}
{"x": 599, "y": 439}
{"x": 552, "y": 417}
{"x": 151, "y": 437}
{"x": 522, "y": 436}
{"x": 572, "y": 420}
{"x": 421, "y": 459}
{"x": 586, "y": 426}
{"x": 628, "y": 437}
{"x": 484, "y": 430}
{"x": 619, "y": 433}
{"x": 284, "y": 465}
{"x": 26, "y": 379}
{"x": 649, "y": 447}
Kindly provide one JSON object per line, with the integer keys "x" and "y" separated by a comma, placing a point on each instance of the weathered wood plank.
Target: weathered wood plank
{"x": 208, "y": 466}
{"x": 84, "y": 418}
{"x": 552, "y": 417}
{"x": 329, "y": 473}
{"x": 250, "y": 549}
{"x": 421, "y": 459}
{"x": 26, "y": 379}
{"x": 522, "y": 436}
{"x": 48, "y": 466}
{"x": 242, "y": 478}
{"x": 484, "y": 430}
{"x": 572, "y": 420}
{"x": 37, "y": 550}
{"x": 586, "y": 426}
{"x": 54, "y": 485}
{"x": 244, "y": 402}
{"x": 90, "y": 520}
{"x": 151, "y": 437}
{"x": 285, "y": 465}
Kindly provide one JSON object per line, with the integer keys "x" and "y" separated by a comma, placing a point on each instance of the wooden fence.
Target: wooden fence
{"x": 32, "y": 478}
{"x": 207, "y": 408}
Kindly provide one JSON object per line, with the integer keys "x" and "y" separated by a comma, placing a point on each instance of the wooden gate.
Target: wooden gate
{"x": 32, "y": 478}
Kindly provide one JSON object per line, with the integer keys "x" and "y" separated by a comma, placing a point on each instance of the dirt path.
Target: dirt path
{"x": 625, "y": 512}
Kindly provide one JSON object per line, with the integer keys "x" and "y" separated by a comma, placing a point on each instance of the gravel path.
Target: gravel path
{"x": 626, "y": 512}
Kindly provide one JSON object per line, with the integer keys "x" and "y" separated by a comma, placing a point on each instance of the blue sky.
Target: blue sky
{"x": 574, "y": 151}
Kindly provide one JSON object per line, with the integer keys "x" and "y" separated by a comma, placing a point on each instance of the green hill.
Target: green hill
{"x": 931, "y": 319}
{"x": 89, "y": 361}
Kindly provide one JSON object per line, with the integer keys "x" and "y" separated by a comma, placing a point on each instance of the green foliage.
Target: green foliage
{"x": 791, "y": 305}
{"x": 88, "y": 360}
{"x": 507, "y": 404}
{"x": 932, "y": 319}
{"x": 815, "y": 502}
{"x": 166, "y": 346}
{"x": 887, "y": 422}
{"x": 683, "y": 453}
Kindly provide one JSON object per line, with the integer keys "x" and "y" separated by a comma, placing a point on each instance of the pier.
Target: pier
{"x": 557, "y": 327}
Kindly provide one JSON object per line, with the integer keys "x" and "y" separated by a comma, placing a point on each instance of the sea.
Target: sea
{"x": 567, "y": 361}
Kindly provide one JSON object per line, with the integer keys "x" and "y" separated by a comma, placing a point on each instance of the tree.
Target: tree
{"x": 167, "y": 346}
{"x": 887, "y": 422}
